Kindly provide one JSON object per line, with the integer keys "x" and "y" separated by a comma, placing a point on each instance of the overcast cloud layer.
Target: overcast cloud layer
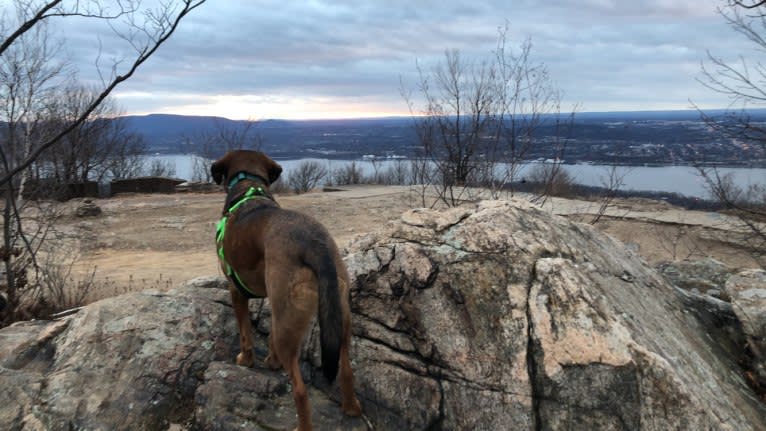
{"x": 279, "y": 59}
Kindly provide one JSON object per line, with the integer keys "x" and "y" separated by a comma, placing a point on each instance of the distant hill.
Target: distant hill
{"x": 167, "y": 133}
{"x": 641, "y": 137}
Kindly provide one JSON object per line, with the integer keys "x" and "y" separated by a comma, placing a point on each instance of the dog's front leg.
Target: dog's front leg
{"x": 242, "y": 313}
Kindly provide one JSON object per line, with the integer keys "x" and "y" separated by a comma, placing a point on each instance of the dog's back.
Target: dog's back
{"x": 289, "y": 240}
{"x": 317, "y": 250}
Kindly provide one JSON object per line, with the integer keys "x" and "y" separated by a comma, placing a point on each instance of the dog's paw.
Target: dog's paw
{"x": 352, "y": 408}
{"x": 245, "y": 360}
{"x": 272, "y": 362}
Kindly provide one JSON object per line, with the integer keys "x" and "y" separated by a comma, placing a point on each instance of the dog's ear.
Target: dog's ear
{"x": 219, "y": 170}
{"x": 274, "y": 171}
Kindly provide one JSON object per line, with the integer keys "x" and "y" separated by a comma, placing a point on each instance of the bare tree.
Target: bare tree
{"x": 30, "y": 76}
{"x": 95, "y": 149}
{"x": 480, "y": 119}
{"x": 145, "y": 33}
{"x": 527, "y": 100}
{"x": 612, "y": 182}
{"x": 225, "y": 135}
{"x": 158, "y": 168}
{"x": 125, "y": 159}
{"x": 748, "y": 207}
{"x": 744, "y": 83}
{"x": 457, "y": 115}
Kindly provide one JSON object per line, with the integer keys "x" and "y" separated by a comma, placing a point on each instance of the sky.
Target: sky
{"x": 350, "y": 59}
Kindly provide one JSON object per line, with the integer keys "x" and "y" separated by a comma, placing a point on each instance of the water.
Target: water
{"x": 683, "y": 180}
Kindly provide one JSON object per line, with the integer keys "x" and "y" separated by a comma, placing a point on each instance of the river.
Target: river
{"x": 683, "y": 180}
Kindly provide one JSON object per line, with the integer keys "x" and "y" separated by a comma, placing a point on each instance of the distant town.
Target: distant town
{"x": 622, "y": 138}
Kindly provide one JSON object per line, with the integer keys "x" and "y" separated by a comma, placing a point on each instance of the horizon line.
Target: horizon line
{"x": 406, "y": 116}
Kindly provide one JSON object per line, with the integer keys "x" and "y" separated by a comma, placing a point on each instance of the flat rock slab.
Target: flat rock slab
{"x": 239, "y": 398}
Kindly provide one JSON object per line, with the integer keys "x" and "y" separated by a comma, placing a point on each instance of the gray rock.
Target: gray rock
{"x": 87, "y": 209}
{"x": 706, "y": 275}
{"x": 129, "y": 362}
{"x": 747, "y": 290}
{"x": 237, "y": 398}
{"x": 207, "y": 282}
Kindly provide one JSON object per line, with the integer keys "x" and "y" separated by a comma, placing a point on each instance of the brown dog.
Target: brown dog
{"x": 291, "y": 258}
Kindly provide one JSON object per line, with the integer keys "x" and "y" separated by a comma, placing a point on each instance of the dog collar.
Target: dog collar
{"x": 242, "y": 175}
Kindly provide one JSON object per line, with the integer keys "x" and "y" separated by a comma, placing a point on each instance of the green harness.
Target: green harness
{"x": 220, "y": 231}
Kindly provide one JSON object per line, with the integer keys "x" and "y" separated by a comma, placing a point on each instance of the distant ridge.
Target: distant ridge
{"x": 628, "y": 138}
{"x": 194, "y": 120}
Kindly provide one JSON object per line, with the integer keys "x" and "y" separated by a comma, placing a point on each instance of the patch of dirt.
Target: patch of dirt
{"x": 158, "y": 241}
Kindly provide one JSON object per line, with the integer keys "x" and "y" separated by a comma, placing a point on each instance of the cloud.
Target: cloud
{"x": 346, "y": 56}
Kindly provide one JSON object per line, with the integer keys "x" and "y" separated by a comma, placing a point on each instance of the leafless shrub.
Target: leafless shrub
{"x": 59, "y": 288}
{"x": 679, "y": 243}
{"x": 551, "y": 180}
{"x": 306, "y": 176}
{"x": 421, "y": 173}
{"x": 159, "y": 168}
{"x": 347, "y": 174}
{"x": 279, "y": 187}
{"x": 747, "y": 206}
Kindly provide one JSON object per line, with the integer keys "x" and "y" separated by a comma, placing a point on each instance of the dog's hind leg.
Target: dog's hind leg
{"x": 242, "y": 313}
{"x": 300, "y": 394}
{"x": 272, "y": 361}
{"x": 293, "y": 304}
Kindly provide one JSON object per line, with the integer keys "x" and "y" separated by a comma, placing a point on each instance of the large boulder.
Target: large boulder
{"x": 138, "y": 362}
{"x": 503, "y": 317}
{"x": 129, "y": 362}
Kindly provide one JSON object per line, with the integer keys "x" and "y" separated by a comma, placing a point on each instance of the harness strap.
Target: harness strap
{"x": 220, "y": 231}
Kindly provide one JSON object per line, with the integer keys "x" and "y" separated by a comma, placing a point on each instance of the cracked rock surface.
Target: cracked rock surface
{"x": 495, "y": 316}
{"x": 503, "y": 317}
{"x": 128, "y": 362}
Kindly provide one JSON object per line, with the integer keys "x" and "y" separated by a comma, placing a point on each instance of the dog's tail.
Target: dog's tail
{"x": 321, "y": 261}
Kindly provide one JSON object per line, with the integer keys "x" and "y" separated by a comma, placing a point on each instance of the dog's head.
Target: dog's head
{"x": 252, "y": 162}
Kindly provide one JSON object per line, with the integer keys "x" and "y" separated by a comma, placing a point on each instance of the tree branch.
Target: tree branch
{"x": 144, "y": 55}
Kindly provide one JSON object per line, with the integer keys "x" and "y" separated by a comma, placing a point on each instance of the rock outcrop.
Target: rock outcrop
{"x": 497, "y": 316}
{"x": 129, "y": 362}
{"x": 87, "y": 209}
{"x": 504, "y": 317}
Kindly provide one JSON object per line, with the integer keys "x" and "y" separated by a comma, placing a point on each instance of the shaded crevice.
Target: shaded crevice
{"x": 438, "y": 423}
{"x": 379, "y": 342}
{"x": 385, "y": 326}
{"x": 438, "y": 372}
{"x": 222, "y": 302}
{"x": 534, "y": 382}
